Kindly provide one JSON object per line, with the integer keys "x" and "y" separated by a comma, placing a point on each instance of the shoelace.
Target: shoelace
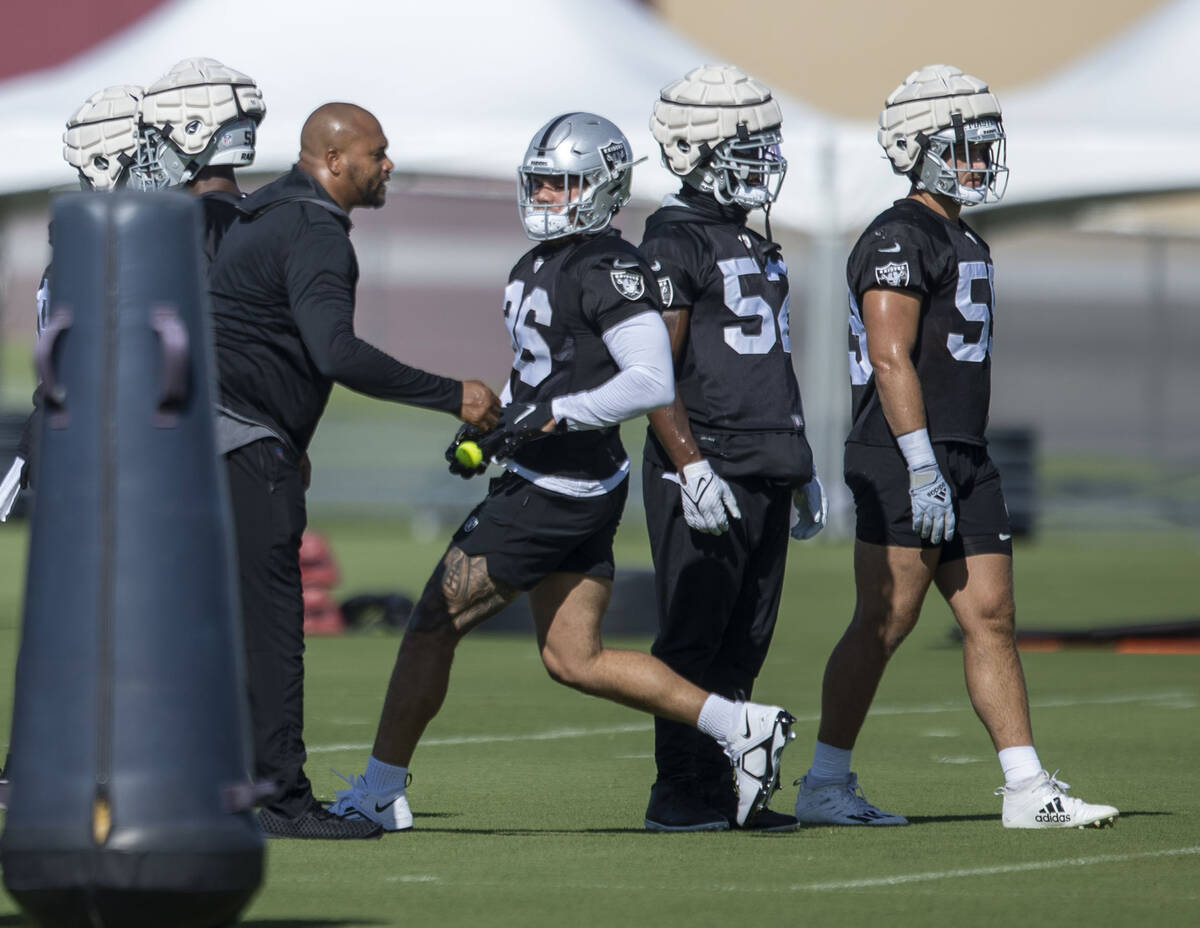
{"x": 1055, "y": 782}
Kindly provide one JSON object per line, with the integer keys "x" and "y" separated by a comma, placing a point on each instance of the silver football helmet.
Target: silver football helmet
{"x": 202, "y": 114}
{"x": 103, "y": 141}
{"x": 942, "y": 129}
{"x": 590, "y": 160}
{"x": 719, "y": 130}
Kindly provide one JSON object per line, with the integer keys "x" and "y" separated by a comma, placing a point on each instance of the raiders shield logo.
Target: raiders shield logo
{"x": 628, "y": 283}
{"x": 893, "y": 274}
{"x": 614, "y": 154}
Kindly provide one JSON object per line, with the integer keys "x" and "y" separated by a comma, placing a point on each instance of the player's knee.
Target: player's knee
{"x": 567, "y": 669}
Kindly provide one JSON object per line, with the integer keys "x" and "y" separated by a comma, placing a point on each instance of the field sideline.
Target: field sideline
{"x": 529, "y": 798}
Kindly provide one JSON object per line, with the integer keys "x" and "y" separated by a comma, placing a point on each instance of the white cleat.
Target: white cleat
{"x": 840, "y": 804}
{"x": 391, "y": 810}
{"x": 764, "y": 731}
{"x": 1042, "y": 802}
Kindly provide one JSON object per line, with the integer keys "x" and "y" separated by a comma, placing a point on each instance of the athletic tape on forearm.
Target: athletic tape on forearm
{"x": 916, "y": 448}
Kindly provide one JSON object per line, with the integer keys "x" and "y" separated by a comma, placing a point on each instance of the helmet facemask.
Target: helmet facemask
{"x": 747, "y": 170}
{"x": 965, "y": 162}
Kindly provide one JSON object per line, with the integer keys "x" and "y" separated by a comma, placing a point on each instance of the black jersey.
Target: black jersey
{"x": 949, "y": 266}
{"x": 560, "y": 299}
{"x": 220, "y": 212}
{"x": 734, "y": 373}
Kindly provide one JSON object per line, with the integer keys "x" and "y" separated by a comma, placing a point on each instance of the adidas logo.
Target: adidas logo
{"x": 1053, "y": 811}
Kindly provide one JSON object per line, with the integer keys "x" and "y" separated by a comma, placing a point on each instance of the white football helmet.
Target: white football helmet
{"x": 102, "y": 141}
{"x": 942, "y": 129}
{"x": 592, "y": 160}
{"x": 203, "y": 114}
{"x": 719, "y": 130}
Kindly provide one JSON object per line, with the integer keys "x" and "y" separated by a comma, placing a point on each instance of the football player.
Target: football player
{"x": 727, "y": 462}
{"x": 203, "y": 118}
{"x": 929, "y": 504}
{"x": 589, "y": 351}
{"x": 105, "y": 144}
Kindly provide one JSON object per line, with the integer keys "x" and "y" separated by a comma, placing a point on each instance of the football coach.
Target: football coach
{"x": 283, "y": 288}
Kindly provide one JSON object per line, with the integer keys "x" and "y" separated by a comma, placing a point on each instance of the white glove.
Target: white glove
{"x": 706, "y": 497}
{"x": 810, "y": 509}
{"x": 932, "y": 506}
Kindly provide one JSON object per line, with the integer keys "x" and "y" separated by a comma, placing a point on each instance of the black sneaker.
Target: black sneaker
{"x": 317, "y": 823}
{"x": 770, "y": 820}
{"x": 677, "y": 806}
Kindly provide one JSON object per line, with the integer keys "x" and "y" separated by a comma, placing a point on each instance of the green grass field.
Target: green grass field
{"x": 529, "y": 797}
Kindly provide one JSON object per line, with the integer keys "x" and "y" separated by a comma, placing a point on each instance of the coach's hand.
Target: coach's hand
{"x": 706, "y": 499}
{"x": 480, "y": 406}
{"x": 812, "y": 509}
{"x": 932, "y": 505}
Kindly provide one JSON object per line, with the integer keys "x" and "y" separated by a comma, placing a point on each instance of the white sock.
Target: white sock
{"x": 384, "y": 779}
{"x": 830, "y": 764}
{"x": 719, "y": 718}
{"x": 1020, "y": 764}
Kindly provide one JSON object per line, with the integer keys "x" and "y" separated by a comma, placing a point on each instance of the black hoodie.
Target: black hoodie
{"x": 282, "y": 288}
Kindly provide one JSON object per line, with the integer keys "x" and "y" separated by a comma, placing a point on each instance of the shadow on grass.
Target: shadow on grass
{"x": 309, "y": 922}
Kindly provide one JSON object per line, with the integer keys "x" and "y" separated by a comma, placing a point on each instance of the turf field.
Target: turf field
{"x": 529, "y": 797}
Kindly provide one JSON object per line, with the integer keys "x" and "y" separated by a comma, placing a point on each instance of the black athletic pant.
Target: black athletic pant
{"x": 718, "y": 597}
{"x": 269, "y": 517}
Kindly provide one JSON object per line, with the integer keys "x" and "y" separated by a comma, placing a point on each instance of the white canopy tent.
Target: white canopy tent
{"x": 459, "y": 88}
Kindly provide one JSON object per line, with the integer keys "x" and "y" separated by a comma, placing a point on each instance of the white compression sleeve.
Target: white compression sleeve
{"x": 646, "y": 380}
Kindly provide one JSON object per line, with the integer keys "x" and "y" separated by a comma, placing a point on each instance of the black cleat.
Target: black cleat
{"x": 317, "y": 824}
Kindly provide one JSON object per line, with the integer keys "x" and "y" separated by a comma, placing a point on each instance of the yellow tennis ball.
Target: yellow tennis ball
{"x": 468, "y": 454}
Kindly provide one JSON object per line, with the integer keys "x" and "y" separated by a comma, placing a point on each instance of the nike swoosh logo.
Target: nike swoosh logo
{"x": 890, "y": 251}
{"x": 386, "y": 805}
{"x": 525, "y": 415}
{"x": 1004, "y": 537}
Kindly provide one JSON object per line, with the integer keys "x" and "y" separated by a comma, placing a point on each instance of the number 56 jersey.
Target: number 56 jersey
{"x": 561, "y": 298}
{"x": 910, "y": 247}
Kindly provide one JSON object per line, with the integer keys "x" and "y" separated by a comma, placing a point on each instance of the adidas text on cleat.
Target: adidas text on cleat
{"x": 840, "y": 804}
{"x": 763, "y": 733}
{"x": 358, "y": 802}
{"x": 1042, "y": 802}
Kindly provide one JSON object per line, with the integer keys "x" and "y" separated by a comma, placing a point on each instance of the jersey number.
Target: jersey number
{"x": 751, "y": 307}
{"x": 531, "y": 354}
{"x": 974, "y": 351}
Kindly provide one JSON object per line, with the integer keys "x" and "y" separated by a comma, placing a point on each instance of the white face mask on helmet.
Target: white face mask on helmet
{"x": 592, "y": 161}
{"x": 943, "y": 130}
{"x": 102, "y": 140}
{"x": 204, "y": 115}
{"x": 718, "y": 129}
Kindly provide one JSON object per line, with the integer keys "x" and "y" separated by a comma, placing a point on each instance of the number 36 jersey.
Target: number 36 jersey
{"x": 910, "y": 247}
{"x": 561, "y": 298}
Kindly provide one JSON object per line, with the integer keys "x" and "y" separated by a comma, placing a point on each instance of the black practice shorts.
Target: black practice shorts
{"x": 527, "y": 533}
{"x": 878, "y": 478}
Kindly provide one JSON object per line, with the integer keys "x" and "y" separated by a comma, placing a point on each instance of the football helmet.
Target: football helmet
{"x": 592, "y": 160}
{"x": 719, "y": 130}
{"x": 102, "y": 141}
{"x": 942, "y": 129}
{"x": 203, "y": 114}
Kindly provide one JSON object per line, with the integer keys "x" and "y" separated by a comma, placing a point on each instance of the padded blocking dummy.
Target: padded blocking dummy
{"x": 130, "y": 789}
